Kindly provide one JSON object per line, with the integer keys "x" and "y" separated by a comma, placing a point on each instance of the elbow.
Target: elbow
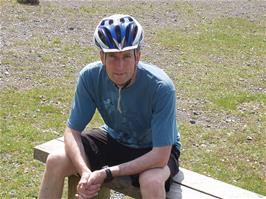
{"x": 162, "y": 162}
{"x": 161, "y": 156}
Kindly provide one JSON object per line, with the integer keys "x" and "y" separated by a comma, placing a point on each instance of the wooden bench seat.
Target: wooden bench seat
{"x": 189, "y": 185}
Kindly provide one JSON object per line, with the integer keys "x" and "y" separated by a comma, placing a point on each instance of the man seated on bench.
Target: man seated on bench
{"x": 137, "y": 102}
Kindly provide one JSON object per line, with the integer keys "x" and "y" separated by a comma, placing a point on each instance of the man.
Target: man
{"x": 137, "y": 103}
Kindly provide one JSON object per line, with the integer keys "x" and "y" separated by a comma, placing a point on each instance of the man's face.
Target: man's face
{"x": 120, "y": 66}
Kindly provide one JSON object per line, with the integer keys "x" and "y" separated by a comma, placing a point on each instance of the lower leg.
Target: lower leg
{"x": 51, "y": 186}
{"x": 58, "y": 166}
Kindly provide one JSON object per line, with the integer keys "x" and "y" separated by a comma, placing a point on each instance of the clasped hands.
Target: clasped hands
{"x": 90, "y": 184}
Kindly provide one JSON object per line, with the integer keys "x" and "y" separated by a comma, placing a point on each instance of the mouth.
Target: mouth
{"x": 119, "y": 74}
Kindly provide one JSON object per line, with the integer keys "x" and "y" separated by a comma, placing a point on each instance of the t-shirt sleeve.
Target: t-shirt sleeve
{"x": 163, "y": 124}
{"x": 83, "y": 105}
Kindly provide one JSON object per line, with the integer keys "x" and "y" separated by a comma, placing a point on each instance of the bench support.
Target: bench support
{"x": 73, "y": 182}
{"x": 72, "y": 185}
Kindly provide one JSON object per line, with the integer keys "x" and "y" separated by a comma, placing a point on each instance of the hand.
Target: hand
{"x": 90, "y": 184}
{"x": 97, "y": 177}
{"x": 85, "y": 189}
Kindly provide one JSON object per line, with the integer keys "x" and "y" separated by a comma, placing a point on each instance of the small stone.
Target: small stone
{"x": 249, "y": 138}
{"x": 228, "y": 120}
{"x": 32, "y": 2}
{"x": 13, "y": 192}
{"x": 6, "y": 73}
{"x": 196, "y": 113}
{"x": 192, "y": 122}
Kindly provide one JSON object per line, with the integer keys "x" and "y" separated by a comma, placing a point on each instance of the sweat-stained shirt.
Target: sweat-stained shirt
{"x": 139, "y": 116}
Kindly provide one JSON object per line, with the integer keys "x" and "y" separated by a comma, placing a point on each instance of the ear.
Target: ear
{"x": 102, "y": 56}
{"x": 138, "y": 55}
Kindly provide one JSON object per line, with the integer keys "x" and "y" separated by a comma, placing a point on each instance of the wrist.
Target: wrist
{"x": 108, "y": 174}
{"x": 84, "y": 171}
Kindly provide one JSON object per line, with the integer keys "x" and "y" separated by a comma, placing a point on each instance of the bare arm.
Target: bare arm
{"x": 75, "y": 150}
{"x": 156, "y": 158}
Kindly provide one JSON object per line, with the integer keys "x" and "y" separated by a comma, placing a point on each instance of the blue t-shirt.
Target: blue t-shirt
{"x": 141, "y": 115}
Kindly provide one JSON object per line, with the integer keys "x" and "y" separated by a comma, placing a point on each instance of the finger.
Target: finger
{"x": 85, "y": 195}
{"x": 93, "y": 187}
{"x": 79, "y": 196}
{"x": 81, "y": 187}
{"x": 85, "y": 191}
{"x": 91, "y": 192}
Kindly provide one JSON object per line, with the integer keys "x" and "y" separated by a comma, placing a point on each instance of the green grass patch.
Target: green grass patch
{"x": 225, "y": 154}
{"x": 225, "y": 55}
{"x": 30, "y": 117}
{"x": 228, "y": 37}
{"x": 230, "y": 101}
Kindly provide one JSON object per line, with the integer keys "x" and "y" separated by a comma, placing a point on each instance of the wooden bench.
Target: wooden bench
{"x": 189, "y": 184}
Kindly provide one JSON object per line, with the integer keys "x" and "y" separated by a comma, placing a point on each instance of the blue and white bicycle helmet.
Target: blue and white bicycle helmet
{"x": 118, "y": 33}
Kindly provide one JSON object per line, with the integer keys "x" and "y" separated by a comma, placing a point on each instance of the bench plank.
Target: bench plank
{"x": 182, "y": 192}
{"x": 123, "y": 185}
{"x": 43, "y": 150}
{"x": 218, "y": 188}
{"x": 189, "y": 184}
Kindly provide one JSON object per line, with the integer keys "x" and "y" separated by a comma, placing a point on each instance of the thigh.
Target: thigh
{"x": 172, "y": 166}
{"x": 101, "y": 149}
{"x": 119, "y": 153}
{"x": 95, "y": 145}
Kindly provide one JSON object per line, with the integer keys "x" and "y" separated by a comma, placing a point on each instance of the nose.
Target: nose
{"x": 120, "y": 64}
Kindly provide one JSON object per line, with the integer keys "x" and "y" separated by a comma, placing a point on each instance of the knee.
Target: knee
{"x": 53, "y": 160}
{"x": 57, "y": 163}
{"x": 150, "y": 182}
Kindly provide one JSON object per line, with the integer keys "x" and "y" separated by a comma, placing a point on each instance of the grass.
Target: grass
{"x": 218, "y": 67}
{"x": 29, "y": 117}
{"x": 230, "y": 101}
{"x": 26, "y": 117}
{"x": 224, "y": 53}
{"x": 224, "y": 64}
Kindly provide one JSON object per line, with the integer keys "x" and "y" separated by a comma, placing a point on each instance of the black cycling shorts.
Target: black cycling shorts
{"x": 102, "y": 150}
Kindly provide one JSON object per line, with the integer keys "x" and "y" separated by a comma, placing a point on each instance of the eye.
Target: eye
{"x": 111, "y": 56}
{"x": 128, "y": 56}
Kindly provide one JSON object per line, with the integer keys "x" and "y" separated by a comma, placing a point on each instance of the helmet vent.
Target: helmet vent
{"x": 103, "y": 22}
{"x": 122, "y": 20}
{"x": 118, "y": 34}
{"x": 110, "y": 38}
{"x": 135, "y": 31}
{"x": 130, "y": 19}
{"x": 102, "y": 37}
{"x": 111, "y": 22}
{"x": 127, "y": 36}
